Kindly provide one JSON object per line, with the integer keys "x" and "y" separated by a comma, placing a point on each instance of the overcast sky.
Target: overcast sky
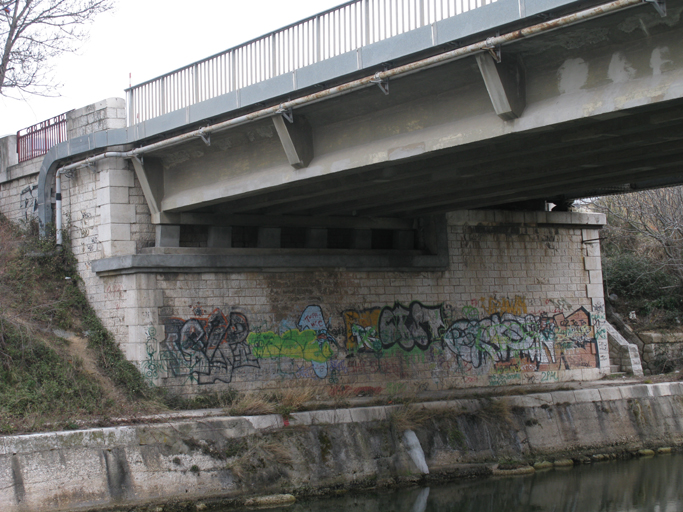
{"x": 149, "y": 38}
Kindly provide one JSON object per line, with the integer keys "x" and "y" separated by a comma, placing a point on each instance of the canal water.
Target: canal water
{"x": 646, "y": 484}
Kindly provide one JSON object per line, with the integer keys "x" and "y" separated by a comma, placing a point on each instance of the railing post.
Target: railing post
{"x": 318, "y": 39}
{"x": 273, "y": 56}
{"x": 233, "y": 70}
{"x": 162, "y": 96}
{"x": 366, "y": 9}
{"x": 195, "y": 70}
{"x": 422, "y": 13}
{"x": 130, "y": 98}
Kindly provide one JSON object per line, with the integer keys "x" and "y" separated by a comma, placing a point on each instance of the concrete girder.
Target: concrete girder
{"x": 498, "y": 155}
{"x": 414, "y": 185}
{"x": 542, "y": 190}
{"x": 296, "y": 139}
{"x": 151, "y": 181}
{"x": 505, "y": 84}
{"x": 538, "y": 182}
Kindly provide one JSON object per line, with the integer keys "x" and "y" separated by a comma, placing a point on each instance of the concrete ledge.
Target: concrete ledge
{"x": 199, "y": 458}
{"x": 589, "y": 220}
{"x": 243, "y": 260}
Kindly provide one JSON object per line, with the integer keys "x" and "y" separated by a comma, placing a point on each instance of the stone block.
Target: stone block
{"x": 117, "y": 248}
{"x": 594, "y": 291}
{"x": 366, "y": 414}
{"x": 560, "y": 397}
{"x": 333, "y": 417}
{"x": 116, "y": 178}
{"x": 117, "y": 214}
{"x": 107, "y": 195}
{"x": 587, "y": 395}
{"x": 661, "y": 389}
{"x": 110, "y": 232}
{"x": 458, "y": 217}
{"x": 607, "y": 394}
{"x": 592, "y": 263}
{"x": 595, "y": 276}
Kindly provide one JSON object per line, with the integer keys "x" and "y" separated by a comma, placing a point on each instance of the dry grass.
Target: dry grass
{"x": 262, "y": 453}
{"x": 283, "y": 402}
{"x": 411, "y": 417}
{"x": 251, "y": 404}
{"x": 495, "y": 411}
{"x": 294, "y": 399}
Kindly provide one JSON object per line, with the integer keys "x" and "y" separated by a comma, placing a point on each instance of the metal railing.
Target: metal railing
{"x": 38, "y": 139}
{"x": 339, "y": 30}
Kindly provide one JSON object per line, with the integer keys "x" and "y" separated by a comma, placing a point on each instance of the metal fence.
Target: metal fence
{"x": 37, "y": 140}
{"x": 343, "y": 29}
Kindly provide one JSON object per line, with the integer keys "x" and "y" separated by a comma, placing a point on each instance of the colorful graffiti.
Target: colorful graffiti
{"x": 478, "y": 341}
{"x": 293, "y": 343}
{"x": 409, "y": 327}
{"x": 309, "y": 342}
{"x": 208, "y": 350}
{"x": 526, "y": 342}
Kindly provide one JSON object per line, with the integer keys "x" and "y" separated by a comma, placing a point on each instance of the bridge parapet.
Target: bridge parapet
{"x": 352, "y": 29}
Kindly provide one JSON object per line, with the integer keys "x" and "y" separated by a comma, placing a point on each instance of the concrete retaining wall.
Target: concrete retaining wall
{"x": 238, "y": 456}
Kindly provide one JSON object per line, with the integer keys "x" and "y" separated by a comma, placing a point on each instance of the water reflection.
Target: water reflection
{"x": 637, "y": 485}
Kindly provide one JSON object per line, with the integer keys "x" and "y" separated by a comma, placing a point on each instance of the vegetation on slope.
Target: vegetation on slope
{"x": 47, "y": 381}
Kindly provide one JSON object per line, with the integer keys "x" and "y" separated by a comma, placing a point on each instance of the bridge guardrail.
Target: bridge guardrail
{"x": 345, "y": 28}
{"x": 38, "y": 139}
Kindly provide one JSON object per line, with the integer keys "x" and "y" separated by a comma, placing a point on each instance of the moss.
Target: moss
{"x": 325, "y": 445}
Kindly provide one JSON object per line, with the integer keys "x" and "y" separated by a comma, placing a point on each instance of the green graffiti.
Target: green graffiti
{"x": 294, "y": 344}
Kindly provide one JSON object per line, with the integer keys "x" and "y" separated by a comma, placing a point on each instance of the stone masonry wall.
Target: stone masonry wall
{"x": 521, "y": 302}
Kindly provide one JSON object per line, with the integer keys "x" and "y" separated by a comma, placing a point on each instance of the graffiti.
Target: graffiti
{"x": 516, "y": 306}
{"x": 533, "y": 338}
{"x": 309, "y": 341}
{"x": 312, "y": 319}
{"x": 410, "y": 327}
{"x": 207, "y": 350}
{"x": 28, "y": 203}
{"x": 489, "y": 340}
{"x": 294, "y": 344}
{"x": 527, "y": 341}
{"x": 505, "y": 379}
{"x": 549, "y": 377}
{"x": 151, "y": 367}
{"x": 361, "y": 329}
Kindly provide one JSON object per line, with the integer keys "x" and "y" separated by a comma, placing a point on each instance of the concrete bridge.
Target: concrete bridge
{"x": 511, "y": 104}
{"x": 404, "y": 159}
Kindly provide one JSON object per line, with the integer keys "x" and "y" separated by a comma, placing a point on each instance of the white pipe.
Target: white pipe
{"x": 58, "y": 219}
{"x": 369, "y": 81}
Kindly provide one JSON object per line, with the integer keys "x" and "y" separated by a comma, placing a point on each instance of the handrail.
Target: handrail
{"x": 347, "y": 27}
{"x": 38, "y": 139}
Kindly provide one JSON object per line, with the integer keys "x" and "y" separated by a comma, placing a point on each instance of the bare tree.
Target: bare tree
{"x": 651, "y": 222}
{"x": 33, "y": 32}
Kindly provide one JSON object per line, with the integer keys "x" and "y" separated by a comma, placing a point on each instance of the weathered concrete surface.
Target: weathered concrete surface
{"x": 241, "y": 456}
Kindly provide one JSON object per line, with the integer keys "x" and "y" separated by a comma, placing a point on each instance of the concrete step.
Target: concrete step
{"x": 614, "y": 368}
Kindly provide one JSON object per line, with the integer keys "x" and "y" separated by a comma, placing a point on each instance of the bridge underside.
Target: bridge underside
{"x": 603, "y": 113}
{"x": 584, "y": 110}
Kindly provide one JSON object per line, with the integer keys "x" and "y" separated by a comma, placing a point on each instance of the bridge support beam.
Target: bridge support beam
{"x": 151, "y": 178}
{"x": 505, "y": 85}
{"x": 296, "y": 139}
